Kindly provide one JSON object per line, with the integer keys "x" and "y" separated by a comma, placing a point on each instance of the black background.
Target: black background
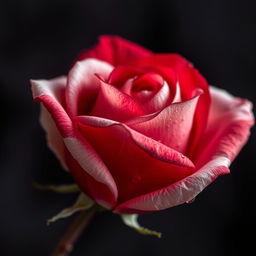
{"x": 40, "y": 39}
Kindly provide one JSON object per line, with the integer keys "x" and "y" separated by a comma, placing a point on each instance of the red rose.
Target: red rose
{"x": 139, "y": 131}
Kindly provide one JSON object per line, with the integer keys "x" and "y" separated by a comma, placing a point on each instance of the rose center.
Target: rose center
{"x": 146, "y": 86}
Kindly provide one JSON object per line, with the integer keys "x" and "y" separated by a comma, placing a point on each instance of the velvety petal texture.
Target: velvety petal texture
{"x": 138, "y": 131}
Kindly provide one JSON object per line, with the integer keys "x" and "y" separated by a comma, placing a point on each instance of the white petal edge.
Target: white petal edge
{"x": 91, "y": 163}
{"x": 50, "y": 87}
{"x": 160, "y": 99}
{"x": 179, "y": 192}
{"x": 177, "y": 97}
{"x": 54, "y": 139}
{"x": 82, "y": 77}
{"x": 243, "y": 111}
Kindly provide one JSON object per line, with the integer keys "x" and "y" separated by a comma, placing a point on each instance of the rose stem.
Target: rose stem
{"x": 65, "y": 244}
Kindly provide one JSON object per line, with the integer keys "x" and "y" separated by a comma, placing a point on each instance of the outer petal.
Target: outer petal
{"x": 190, "y": 80}
{"x": 235, "y": 117}
{"x": 84, "y": 162}
{"x": 154, "y": 148}
{"x": 52, "y": 94}
{"x": 172, "y": 60}
{"x": 116, "y": 51}
{"x": 179, "y": 192}
{"x": 91, "y": 164}
{"x": 219, "y": 146}
{"x": 145, "y": 164}
{"x": 83, "y": 85}
{"x": 54, "y": 139}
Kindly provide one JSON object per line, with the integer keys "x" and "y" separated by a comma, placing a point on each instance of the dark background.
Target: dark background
{"x": 40, "y": 39}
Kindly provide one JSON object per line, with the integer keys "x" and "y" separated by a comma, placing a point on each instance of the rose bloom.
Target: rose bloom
{"x": 138, "y": 131}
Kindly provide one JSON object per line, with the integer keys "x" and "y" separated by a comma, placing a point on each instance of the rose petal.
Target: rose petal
{"x": 221, "y": 144}
{"x": 151, "y": 100}
{"x": 114, "y": 104}
{"x": 54, "y": 139}
{"x": 154, "y": 148}
{"x": 235, "y": 117}
{"x": 116, "y": 51}
{"x": 166, "y": 71}
{"x": 177, "y": 97}
{"x": 172, "y": 125}
{"x": 190, "y": 80}
{"x": 152, "y": 91}
{"x": 52, "y": 94}
{"x": 121, "y": 74}
{"x": 145, "y": 164}
{"x": 83, "y": 85}
{"x": 98, "y": 191}
{"x": 91, "y": 163}
{"x": 175, "y": 69}
{"x": 172, "y": 60}
{"x": 179, "y": 192}
{"x": 159, "y": 100}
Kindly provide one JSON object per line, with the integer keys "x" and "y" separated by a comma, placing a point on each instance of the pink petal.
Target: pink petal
{"x": 152, "y": 91}
{"x": 54, "y": 139}
{"x": 177, "y": 97}
{"x": 91, "y": 163}
{"x": 178, "y": 193}
{"x": 228, "y": 127}
{"x": 190, "y": 80}
{"x": 227, "y": 131}
{"x": 151, "y": 100}
{"x": 52, "y": 94}
{"x": 98, "y": 191}
{"x": 116, "y": 51}
{"x": 173, "y": 69}
{"x": 151, "y": 146}
{"x": 114, "y": 104}
{"x": 168, "y": 66}
{"x": 172, "y": 125}
{"x": 159, "y": 100}
{"x": 171, "y": 60}
{"x": 83, "y": 85}
{"x": 145, "y": 164}
{"x": 121, "y": 74}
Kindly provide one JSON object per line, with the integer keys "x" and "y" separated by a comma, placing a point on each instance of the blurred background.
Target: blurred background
{"x": 40, "y": 39}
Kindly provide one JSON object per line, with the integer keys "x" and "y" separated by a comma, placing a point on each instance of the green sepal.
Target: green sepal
{"x": 131, "y": 220}
{"x": 82, "y": 203}
{"x": 67, "y": 188}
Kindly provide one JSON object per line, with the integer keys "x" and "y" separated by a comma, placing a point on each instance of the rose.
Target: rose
{"x": 138, "y": 131}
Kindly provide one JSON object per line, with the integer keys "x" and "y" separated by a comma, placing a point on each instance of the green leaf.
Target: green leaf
{"x": 131, "y": 220}
{"x": 82, "y": 203}
{"x": 67, "y": 188}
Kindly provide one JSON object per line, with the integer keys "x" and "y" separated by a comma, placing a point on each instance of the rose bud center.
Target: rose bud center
{"x": 146, "y": 86}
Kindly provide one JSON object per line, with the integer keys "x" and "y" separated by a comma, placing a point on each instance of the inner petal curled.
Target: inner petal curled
{"x": 148, "y": 89}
